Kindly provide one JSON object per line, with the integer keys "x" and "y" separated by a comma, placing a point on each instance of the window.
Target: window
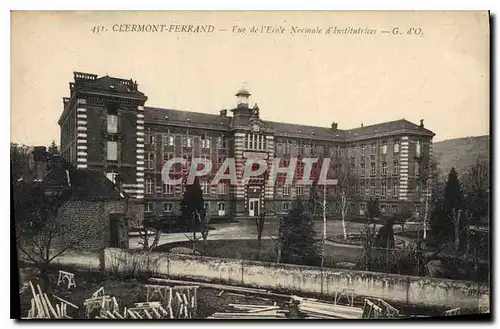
{"x": 395, "y": 189}
{"x": 255, "y": 142}
{"x": 150, "y": 138}
{"x": 112, "y": 151}
{"x": 353, "y": 169}
{"x": 286, "y": 147}
{"x": 372, "y": 169}
{"x": 286, "y": 206}
{"x": 417, "y": 211}
{"x": 187, "y": 141}
{"x": 418, "y": 149}
{"x": 383, "y": 189}
{"x": 167, "y": 156}
{"x": 148, "y": 189}
{"x": 205, "y": 187}
{"x": 361, "y": 188}
{"x": 417, "y": 169}
{"x": 418, "y": 191}
{"x": 382, "y": 208}
{"x": 374, "y": 148}
{"x": 168, "y": 189}
{"x": 205, "y": 143}
{"x": 384, "y": 168}
{"x": 112, "y": 176}
{"x": 168, "y": 140}
{"x": 362, "y": 171}
{"x": 286, "y": 189}
{"x": 148, "y": 207}
{"x": 396, "y": 145}
{"x": 394, "y": 208}
{"x": 396, "y": 168}
{"x": 299, "y": 189}
{"x": 206, "y": 205}
{"x": 221, "y": 206}
{"x": 167, "y": 207}
{"x": 222, "y": 142}
{"x": 112, "y": 124}
{"x": 372, "y": 189}
{"x": 150, "y": 159}
{"x": 222, "y": 189}
{"x": 363, "y": 147}
{"x": 338, "y": 151}
{"x": 384, "y": 147}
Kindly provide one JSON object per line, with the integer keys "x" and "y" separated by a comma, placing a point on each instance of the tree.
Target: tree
{"x": 298, "y": 238}
{"x": 20, "y": 160}
{"x": 42, "y": 233}
{"x": 344, "y": 191}
{"x": 269, "y": 211}
{"x": 369, "y": 234}
{"x": 477, "y": 187}
{"x": 427, "y": 177}
{"x": 53, "y": 148}
{"x": 204, "y": 220}
{"x": 192, "y": 207}
{"x": 151, "y": 228}
{"x": 403, "y": 216}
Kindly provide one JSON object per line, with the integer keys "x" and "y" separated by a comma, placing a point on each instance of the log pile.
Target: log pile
{"x": 43, "y": 308}
{"x": 249, "y": 311}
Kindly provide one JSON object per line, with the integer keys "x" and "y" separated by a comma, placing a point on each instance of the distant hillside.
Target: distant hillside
{"x": 461, "y": 153}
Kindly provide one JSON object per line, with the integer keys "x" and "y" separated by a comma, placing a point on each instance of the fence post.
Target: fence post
{"x": 408, "y": 290}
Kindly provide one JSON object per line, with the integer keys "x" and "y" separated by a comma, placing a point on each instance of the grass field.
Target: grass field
{"x": 247, "y": 249}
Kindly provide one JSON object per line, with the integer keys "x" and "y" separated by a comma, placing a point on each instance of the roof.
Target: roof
{"x": 214, "y": 121}
{"x": 83, "y": 184}
{"x": 90, "y": 82}
{"x": 402, "y": 125}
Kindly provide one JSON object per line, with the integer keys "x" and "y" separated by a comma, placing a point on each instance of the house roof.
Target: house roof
{"x": 83, "y": 184}
{"x": 214, "y": 121}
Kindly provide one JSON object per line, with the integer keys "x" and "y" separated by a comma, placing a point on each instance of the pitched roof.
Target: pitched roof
{"x": 403, "y": 126}
{"x": 214, "y": 121}
{"x": 83, "y": 184}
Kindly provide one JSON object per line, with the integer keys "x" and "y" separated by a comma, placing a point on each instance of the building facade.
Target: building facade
{"x": 106, "y": 126}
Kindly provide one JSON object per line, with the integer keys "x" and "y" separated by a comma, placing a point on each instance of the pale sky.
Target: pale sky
{"x": 441, "y": 76}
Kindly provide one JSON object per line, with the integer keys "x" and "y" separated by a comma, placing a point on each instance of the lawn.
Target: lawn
{"x": 247, "y": 249}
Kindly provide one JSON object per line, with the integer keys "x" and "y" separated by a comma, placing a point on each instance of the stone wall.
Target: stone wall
{"x": 302, "y": 279}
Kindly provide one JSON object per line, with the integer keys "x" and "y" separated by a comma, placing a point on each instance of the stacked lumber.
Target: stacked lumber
{"x": 249, "y": 311}
{"x": 42, "y": 307}
{"x": 314, "y": 309}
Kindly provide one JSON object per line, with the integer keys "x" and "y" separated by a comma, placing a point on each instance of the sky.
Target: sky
{"x": 440, "y": 74}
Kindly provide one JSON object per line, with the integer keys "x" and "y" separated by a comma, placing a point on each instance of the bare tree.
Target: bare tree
{"x": 204, "y": 221}
{"x": 404, "y": 215}
{"x": 345, "y": 191}
{"x": 148, "y": 232}
{"x": 278, "y": 241}
{"x": 269, "y": 211}
{"x": 477, "y": 189}
{"x": 455, "y": 218}
{"x": 427, "y": 177}
{"x": 42, "y": 232}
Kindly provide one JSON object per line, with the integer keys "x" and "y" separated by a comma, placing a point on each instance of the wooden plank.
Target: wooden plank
{"x": 147, "y": 314}
{"x": 51, "y": 308}
{"x": 66, "y": 302}
{"x": 43, "y": 302}
{"x": 39, "y": 308}
{"x": 132, "y": 315}
{"x": 110, "y": 315}
{"x": 260, "y": 309}
{"x": 208, "y": 285}
{"x": 58, "y": 309}
{"x": 156, "y": 313}
{"x": 118, "y": 315}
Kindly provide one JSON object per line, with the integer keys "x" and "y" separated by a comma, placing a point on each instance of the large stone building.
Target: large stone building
{"x": 106, "y": 126}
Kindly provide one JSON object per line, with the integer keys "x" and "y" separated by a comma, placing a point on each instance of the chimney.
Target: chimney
{"x": 223, "y": 113}
{"x": 334, "y": 126}
{"x": 421, "y": 123}
{"x": 361, "y": 124}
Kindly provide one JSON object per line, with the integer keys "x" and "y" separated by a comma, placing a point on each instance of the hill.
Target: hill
{"x": 461, "y": 153}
